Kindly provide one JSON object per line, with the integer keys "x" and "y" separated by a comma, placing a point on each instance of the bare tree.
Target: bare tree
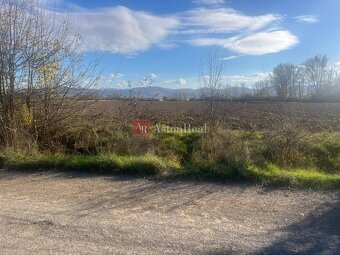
{"x": 301, "y": 80}
{"x": 243, "y": 89}
{"x": 262, "y": 88}
{"x": 210, "y": 79}
{"x": 283, "y": 79}
{"x": 316, "y": 69}
{"x": 42, "y": 73}
{"x": 294, "y": 76}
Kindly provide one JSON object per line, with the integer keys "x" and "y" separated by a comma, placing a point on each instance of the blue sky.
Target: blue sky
{"x": 166, "y": 39}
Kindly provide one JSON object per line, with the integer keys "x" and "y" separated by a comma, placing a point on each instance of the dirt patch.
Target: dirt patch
{"x": 73, "y": 213}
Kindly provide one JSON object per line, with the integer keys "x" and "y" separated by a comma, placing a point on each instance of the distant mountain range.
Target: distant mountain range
{"x": 168, "y": 93}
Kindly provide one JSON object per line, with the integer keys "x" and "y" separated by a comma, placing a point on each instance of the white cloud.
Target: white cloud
{"x": 112, "y": 79}
{"x": 225, "y": 20}
{"x": 122, "y": 84}
{"x": 129, "y": 32}
{"x": 209, "y": 2}
{"x": 336, "y": 66}
{"x": 261, "y": 76}
{"x": 121, "y": 30}
{"x": 230, "y": 58}
{"x": 310, "y": 19}
{"x": 179, "y": 81}
{"x": 182, "y": 81}
{"x": 204, "y": 24}
{"x": 262, "y": 43}
{"x": 255, "y": 44}
{"x": 152, "y": 76}
{"x": 208, "y": 42}
{"x": 117, "y": 76}
{"x": 249, "y": 80}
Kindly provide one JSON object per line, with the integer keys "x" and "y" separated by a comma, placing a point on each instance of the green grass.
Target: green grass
{"x": 268, "y": 175}
{"x": 106, "y": 163}
{"x": 298, "y": 178}
{"x": 150, "y": 165}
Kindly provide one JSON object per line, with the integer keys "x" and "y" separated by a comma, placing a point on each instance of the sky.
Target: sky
{"x": 166, "y": 40}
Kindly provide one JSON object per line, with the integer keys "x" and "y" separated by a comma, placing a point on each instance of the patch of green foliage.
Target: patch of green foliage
{"x": 104, "y": 163}
{"x": 179, "y": 145}
{"x": 323, "y": 150}
{"x": 220, "y": 171}
{"x": 219, "y": 157}
{"x": 154, "y": 166}
{"x": 298, "y": 178}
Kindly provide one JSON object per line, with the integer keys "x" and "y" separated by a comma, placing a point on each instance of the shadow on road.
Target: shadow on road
{"x": 317, "y": 233}
{"x": 133, "y": 192}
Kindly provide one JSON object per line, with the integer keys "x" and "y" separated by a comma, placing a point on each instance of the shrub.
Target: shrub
{"x": 176, "y": 146}
{"x": 324, "y": 151}
{"x": 282, "y": 145}
{"x": 217, "y": 146}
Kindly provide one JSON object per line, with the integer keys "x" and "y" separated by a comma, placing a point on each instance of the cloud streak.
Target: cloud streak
{"x": 230, "y": 57}
{"x": 255, "y": 44}
{"x": 121, "y": 30}
{"x": 226, "y": 20}
{"x": 262, "y": 43}
{"x": 235, "y": 80}
{"x": 179, "y": 81}
{"x": 309, "y": 19}
{"x": 125, "y": 31}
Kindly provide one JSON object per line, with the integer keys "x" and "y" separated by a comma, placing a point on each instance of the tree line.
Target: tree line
{"x": 313, "y": 79}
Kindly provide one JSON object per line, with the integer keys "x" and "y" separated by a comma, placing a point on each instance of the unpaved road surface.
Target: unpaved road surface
{"x": 72, "y": 213}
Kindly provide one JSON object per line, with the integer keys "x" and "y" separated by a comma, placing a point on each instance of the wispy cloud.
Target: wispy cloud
{"x": 215, "y": 25}
{"x": 310, "y": 19}
{"x": 255, "y": 44}
{"x": 249, "y": 80}
{"x": 152, "y": 76}
{"x": 129, "y": 32}
{"x": 231, "y": 57}
{"x": 122, "y": 84}
{"x": 336, "y": 66}
{"x": 113, "y": 79}
{"x": 179, "y": 81}
{"x": 117, "y": 76}
{"x": 262, "y": 43}
{"x": 121, "y": 30}
{"x": 226, "y": 20}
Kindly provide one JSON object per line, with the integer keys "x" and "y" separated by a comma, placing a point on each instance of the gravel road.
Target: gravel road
{"x": 74, "y": 213}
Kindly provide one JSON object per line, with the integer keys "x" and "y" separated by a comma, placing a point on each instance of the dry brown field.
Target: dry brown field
{"x": 314, "y": 117}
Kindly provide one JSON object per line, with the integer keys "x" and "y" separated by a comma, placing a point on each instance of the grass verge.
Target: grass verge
{"x": 107, "y": 163}
{"x": 150, "y": 165}
{"x": 297, "y": 178}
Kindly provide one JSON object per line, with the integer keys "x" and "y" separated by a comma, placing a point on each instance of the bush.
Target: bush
{"x": 282, "y": 145}
{"x": 324, "y": 151}
{"x": 214, "y": 147}
{"x": 178, "y": 147}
